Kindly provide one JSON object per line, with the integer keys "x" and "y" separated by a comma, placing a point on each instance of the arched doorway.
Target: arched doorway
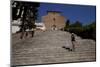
{"x": 54, "y": 27}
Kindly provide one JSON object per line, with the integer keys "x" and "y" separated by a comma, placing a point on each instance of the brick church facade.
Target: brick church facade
{"x": 54, "y": 20}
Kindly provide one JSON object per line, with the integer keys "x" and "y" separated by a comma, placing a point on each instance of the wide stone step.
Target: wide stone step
{"x": 46, "y": 47}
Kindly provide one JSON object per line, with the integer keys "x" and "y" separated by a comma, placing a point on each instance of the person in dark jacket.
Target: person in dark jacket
{"x": 73, "y": 41}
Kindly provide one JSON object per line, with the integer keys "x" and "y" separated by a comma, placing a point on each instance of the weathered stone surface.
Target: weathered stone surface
{"x": 46, "y": 47}
{"x": 54, "y": 18}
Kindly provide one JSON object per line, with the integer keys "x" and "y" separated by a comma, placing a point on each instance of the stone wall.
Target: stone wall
{"x": 54, "y": 18}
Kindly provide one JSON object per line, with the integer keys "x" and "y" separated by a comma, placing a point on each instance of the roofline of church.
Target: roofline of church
{"x": 54, "y": 11}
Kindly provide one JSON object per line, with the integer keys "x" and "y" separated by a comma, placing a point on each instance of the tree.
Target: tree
{"x": 27, "y": 11}
{"x": 67, "y": 25}
{"x": 77, "y": 24}
{"x": 76, "y": 28}
{"x": 90, "y": 31}
{"x": 19, "y": 6}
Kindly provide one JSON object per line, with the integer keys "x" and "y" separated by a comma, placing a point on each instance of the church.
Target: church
{"x": 54, "y": 20}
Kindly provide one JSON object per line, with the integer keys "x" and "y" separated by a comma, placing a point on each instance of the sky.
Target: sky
{"x": 83, "y": 13}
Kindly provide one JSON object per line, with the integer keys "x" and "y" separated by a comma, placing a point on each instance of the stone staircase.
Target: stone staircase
{"x": 46, "y": 47}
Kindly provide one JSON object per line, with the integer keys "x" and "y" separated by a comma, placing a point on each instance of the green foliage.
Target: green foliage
{"x": 76, "y": 24}
{"x": 90, "y": 31}
{"x": 87, "y": 31}
{"x": 67, "y": 25}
